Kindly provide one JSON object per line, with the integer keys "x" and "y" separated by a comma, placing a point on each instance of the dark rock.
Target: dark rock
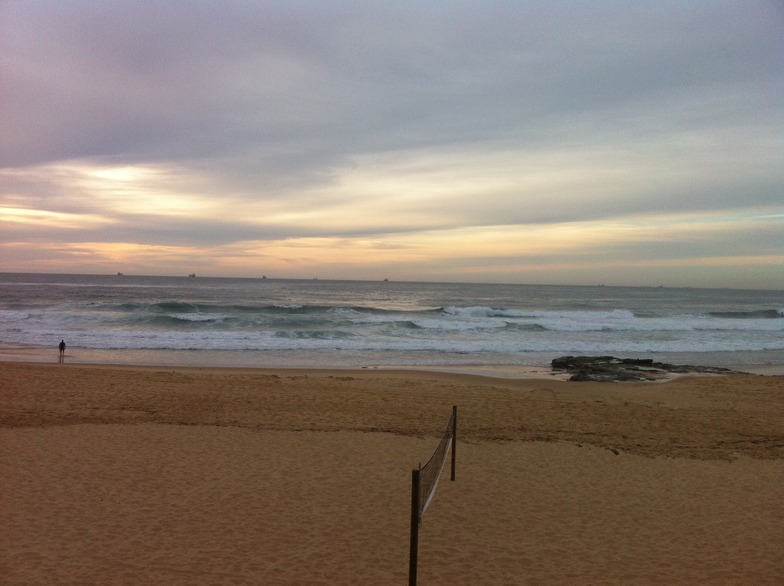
{"x": 612, "y": 369}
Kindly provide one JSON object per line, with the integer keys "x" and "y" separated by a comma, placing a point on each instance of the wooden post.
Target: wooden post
{"x": 412, "y": 556}
{"x": 454, "y": 439}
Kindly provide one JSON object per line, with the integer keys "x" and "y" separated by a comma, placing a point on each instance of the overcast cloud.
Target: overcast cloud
{"x": 533, "y": 142}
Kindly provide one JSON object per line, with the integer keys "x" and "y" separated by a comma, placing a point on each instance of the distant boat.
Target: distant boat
{"x": 386, "y": 280}
{"x": 263, "y": 276}
{"x": 119, "y": 274}
{"x": 192, "y": 275}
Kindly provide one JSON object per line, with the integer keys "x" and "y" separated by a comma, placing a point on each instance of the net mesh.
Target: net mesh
{"x": 431, "y": 471}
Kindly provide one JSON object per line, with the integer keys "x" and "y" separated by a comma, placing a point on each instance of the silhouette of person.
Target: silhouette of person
{"x": 62, "y": 349}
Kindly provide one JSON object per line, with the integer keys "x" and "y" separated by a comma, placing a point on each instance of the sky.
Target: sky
{"x": 527, "y": 141}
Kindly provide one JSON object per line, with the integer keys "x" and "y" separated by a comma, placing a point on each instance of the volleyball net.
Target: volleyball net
{"x": 424, "y": 481}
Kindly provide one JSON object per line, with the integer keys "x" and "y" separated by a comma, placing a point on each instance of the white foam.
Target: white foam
{"x": 474, "y": 330}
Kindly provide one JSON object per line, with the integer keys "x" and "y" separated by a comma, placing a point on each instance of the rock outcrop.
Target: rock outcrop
{"x": 612, "y": 369}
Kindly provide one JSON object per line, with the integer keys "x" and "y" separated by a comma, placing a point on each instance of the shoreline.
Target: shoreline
{"x": 522, "y": 372}
{"x": 203, "y": 475}
{"x": 527, "y": 367}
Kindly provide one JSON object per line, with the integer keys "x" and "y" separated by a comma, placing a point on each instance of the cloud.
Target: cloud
{"x": 279, "y": 121}
{"x": 148, "y": 80}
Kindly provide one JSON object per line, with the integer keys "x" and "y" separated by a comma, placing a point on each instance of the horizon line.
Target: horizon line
{"x": 386, "y": 280}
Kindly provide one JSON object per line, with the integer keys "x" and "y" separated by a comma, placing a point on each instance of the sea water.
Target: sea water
{"x": 319, "y": 323}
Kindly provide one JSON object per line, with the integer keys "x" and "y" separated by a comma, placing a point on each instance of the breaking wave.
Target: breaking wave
{"x": 479, "y": 320}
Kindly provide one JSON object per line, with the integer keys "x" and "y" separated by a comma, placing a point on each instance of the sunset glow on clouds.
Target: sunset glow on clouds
{"x": 533, "y": 143}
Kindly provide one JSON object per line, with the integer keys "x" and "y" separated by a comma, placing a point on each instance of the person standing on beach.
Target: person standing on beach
{"x": 62, "y": 348}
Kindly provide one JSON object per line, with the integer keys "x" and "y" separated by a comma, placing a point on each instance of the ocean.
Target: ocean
{"x": 199, "y": 321}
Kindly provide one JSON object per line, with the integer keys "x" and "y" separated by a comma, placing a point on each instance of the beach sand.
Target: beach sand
{"x": 151, "y": 475}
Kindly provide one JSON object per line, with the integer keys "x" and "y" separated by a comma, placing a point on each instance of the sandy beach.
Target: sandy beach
{"x": 160, "y": 475}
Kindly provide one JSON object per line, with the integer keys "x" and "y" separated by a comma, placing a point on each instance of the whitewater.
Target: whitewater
{"x": 319, "y": 323}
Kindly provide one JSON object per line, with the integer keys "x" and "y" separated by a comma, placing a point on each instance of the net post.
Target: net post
{"x": 454, "y": 440}
{"x": 412, "y": 556}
